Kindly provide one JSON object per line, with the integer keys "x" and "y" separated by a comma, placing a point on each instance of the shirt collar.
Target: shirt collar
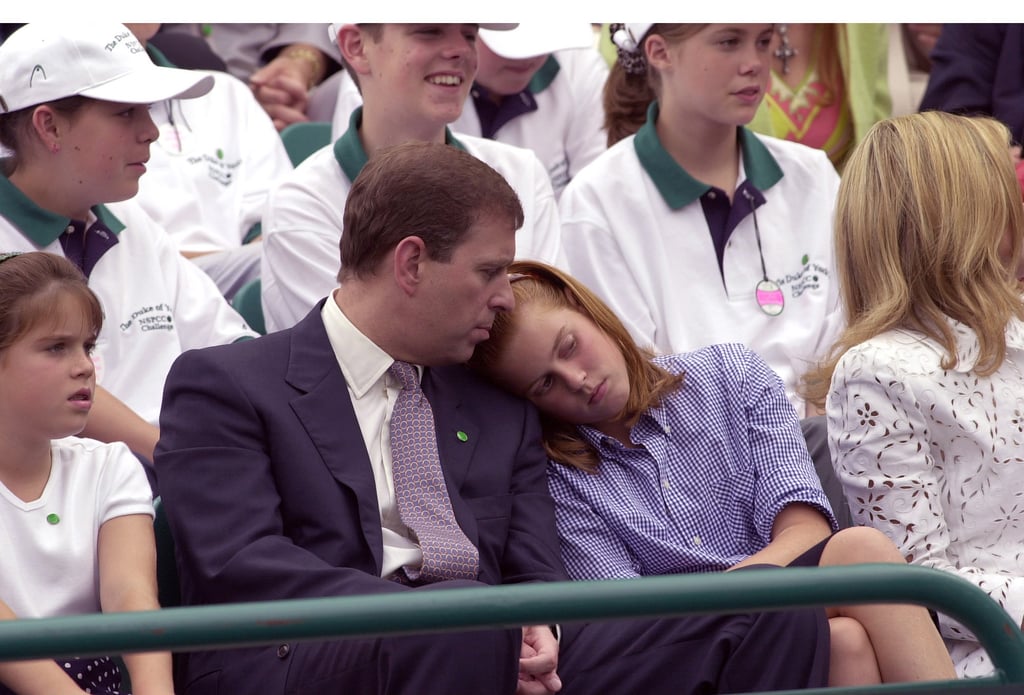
{"x": 543, "y": 78}
{"x": 362, "y": 362}
{"x": 351, "y": 155}
{"x": 652, "y": 421}
{"x": 41, "y": 226}
{"x": 677, "y": 187}
{"x": 157, "y": 56}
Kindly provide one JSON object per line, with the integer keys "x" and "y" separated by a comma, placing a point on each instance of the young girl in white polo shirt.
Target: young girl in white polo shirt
{"x": 74, "y": 114}
{"x": 692, "y": 228}
{"x": 76, "y": 515}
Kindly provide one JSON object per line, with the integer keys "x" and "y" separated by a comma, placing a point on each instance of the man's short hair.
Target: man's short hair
{"x": 430, "y": 190}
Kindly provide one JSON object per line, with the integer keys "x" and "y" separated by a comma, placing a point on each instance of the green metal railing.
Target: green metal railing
{"x": 244, "y": 624}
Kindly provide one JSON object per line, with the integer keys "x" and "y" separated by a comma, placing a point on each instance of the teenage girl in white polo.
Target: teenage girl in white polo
{"x": 692, "y": 228}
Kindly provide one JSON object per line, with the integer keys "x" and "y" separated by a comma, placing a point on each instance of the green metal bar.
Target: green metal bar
{"x": 244, "y": 624}
{"x": 976, "y": 686}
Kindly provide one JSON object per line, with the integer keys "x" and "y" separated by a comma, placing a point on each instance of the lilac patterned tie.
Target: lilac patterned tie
{"x": 423, "y": 502}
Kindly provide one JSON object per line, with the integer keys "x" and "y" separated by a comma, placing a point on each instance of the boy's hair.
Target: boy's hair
{"x": 626, "y": 95}
{"x": 30, "y": 284}
{"x": 430, "y": 190}
{"x": 924, "y": 204}
{"x": 374, "y": 32}
{"x": 533, "y": 281}
{"x": 16, "y": 126}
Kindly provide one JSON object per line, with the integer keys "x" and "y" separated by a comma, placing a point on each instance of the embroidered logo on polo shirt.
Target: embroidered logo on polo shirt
{"x": 811, "y": 276}
{"x": 221, "y": 171}
{"x": 150, "y": 318}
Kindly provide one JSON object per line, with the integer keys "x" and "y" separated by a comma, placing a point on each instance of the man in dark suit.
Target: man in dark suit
{"x": 276, "y": 469}
{"x": 976, "y": 70}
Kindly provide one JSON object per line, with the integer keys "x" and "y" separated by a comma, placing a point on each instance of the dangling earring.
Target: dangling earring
{"x": 784, "y": 52}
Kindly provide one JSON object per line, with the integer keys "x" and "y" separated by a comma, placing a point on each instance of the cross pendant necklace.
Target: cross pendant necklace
{"x": 784, "y": 52}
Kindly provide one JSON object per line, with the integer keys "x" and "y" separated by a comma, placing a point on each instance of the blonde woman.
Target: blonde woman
{"x": 925, "y": 388}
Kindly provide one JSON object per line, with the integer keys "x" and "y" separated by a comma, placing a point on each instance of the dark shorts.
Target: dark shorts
{"x": 100, "y": 675}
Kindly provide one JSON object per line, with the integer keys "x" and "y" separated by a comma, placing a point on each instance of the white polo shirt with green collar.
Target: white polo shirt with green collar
{"x": 565, "y": 131}
{"x": 211, "y": 168}
{"x": 303, "y": 222}
{"x": 635, "y": 232}
{"x": 156, "y": 303}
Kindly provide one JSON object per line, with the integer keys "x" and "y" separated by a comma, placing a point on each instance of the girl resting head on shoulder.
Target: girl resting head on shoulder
{"x": 645, "y": 450}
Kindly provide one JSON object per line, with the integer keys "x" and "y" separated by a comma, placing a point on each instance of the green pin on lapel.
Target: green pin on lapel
{"x": 52, "y": 519}
{"x": 462, "y": 436}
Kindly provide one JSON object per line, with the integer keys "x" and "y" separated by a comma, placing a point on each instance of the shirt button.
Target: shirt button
{"x": 712, "y": 195}
{"x": 696, "y": 540}
{"x": 668, "y": 429}
{"x": 69, "y": 230}
{"x": 665, "y": 484}
{"x": 283, "y": 650}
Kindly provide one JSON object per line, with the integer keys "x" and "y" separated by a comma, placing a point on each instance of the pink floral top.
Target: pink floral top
{"x": 935, "y": 459}
{"x": 801, "y": 116}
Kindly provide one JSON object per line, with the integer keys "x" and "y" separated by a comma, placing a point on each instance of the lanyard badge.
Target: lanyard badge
{"x": 767, "y": 293}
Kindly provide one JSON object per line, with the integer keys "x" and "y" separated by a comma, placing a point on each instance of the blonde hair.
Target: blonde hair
{"x": 926, "y": 201}
{"x": 627, "y": 96}
{"x": 534, "y": 282}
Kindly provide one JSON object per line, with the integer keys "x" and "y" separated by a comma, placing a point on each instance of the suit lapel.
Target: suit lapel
{"x": 326, "y": 412}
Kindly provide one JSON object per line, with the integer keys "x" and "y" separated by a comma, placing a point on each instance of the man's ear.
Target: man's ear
{"x": 409, "y": 257}
{"x": 352, "y": 44}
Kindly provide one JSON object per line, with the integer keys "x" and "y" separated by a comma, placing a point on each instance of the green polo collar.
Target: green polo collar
{"x": 542, "y": 79}
{"x": 677, "y": 187}
{"x": 43, "y": 227}
{"x": 157, "y": 56}
{"x": 348, "y": 149}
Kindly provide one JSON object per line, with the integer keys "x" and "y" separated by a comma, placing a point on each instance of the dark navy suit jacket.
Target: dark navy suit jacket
{"x": 979, "y": 69}
{"x": 269, "y": 491}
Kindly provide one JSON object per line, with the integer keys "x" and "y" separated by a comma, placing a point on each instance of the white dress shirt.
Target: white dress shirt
{"x": 373, "y": 392}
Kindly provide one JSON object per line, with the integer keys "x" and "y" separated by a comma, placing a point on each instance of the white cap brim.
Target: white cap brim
{"x": 531, "y": 39}
{"x": 150, "y": 86}
{"x": 332, "y": 29}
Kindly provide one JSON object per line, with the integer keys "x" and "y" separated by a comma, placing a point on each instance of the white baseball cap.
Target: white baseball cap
{"x": 42, "y": 62}
{"x": 531, "y": 39}
{"x": 332, "y": 29}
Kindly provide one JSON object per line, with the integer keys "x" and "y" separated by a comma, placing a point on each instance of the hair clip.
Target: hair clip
{"x": 628, "y": 49}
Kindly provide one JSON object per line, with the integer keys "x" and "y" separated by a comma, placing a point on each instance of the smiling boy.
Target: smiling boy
{"x": 414, "y": 80}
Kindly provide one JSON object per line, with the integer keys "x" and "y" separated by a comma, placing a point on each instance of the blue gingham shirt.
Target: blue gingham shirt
{"x": 713, "y": 466}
